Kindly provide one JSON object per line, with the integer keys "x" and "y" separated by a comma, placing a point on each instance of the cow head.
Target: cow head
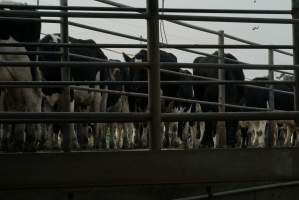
{"x": 21, "y": 30}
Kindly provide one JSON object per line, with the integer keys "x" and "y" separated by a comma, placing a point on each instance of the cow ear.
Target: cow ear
{"x": 127, "y": 58}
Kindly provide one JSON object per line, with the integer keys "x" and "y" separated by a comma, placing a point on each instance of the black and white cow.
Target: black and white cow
{"x": 234, "y": 94}
{"x": 83, "y": 100}
{"x": 115, "y": 135}
{"x": 20, "y": 137}
{"x": 284, "y": 131}
{"x": 138, "y": 104}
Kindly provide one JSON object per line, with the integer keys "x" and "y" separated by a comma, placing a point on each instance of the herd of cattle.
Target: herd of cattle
{"x": 189, "y": 134}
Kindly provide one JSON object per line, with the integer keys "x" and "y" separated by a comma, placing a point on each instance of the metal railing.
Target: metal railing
{"x": 153, "y": 46}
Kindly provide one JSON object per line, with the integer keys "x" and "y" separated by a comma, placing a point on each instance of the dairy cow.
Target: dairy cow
{"x": 82, "y": 100}
{"x": 173, "y": 132}
{"x": 234, "y": 94}
{"x": 19, "y": 137}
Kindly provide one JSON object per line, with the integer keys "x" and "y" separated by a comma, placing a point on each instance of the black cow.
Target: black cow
{"x": 23, "y": 137}
{"x": 234, "y": 94}
{"x": 83, "y": 100}
{"x": 21, "y": 30}
{"x": 138, "y": 104}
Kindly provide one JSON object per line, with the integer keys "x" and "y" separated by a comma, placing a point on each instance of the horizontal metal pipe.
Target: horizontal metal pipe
{"x": 73, "y": 55}
{"x": 229, "y": 19}
{"x": 30, "y": 53}
{"x": 201, "y": 82}
{"x": 83, "y": 45}
{"x": 69, "y": 8}
{"x": 181, "y": 46}
{"x": 227, "y": 46}
{"x": 30, "y": 19}
{"x": 242, "y": 190}
{"x": 228, "y": 66}
{"x": 99, "y": 64}
{"x": 30, "y": 117}
{"x": 134, "y": 9}
{"x": 219, "y": 116}
{"x": 229, "y": 11}
{"x": 26, "y": 13}
{"x": 67, "y": 117}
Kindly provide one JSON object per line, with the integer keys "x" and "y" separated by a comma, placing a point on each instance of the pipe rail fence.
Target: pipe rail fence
{"x": 152, "y": 16}
{"x": 103, "y": 168}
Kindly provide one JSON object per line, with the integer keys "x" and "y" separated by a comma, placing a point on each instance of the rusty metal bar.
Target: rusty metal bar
{"x": 154, "y": 73}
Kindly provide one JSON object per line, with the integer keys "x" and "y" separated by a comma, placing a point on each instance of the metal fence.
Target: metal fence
{"x": 152, "y": 16}
{"x": 153, "y": 46}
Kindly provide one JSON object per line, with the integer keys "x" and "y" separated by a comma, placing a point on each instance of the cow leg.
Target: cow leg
{"x": 138, "y": 134}
{"x": 14, "y": 101}
{"x": 166, "y": 141}
{"x": 128, "y": 135}
{"x": 19, "y": 137}
{"x": 244, "y": 137}
{"x": 82, "y": 134}
{"x": 296, "y": 137}
{"x": 145, "y": 135}
{"x": 99, "y": 135}
{"x": 231, "y": 127}
{"x": 33, "y": 103}
{"x": 207, "y": 140}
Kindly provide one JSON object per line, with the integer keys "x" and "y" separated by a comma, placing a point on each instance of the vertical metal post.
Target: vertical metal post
{"x": 154, "y": 73}
{"x": 270, "y": 141}
{"x": 221, "y": 142}
{"x": 295, "y": 13}
{"x": 65, "y": 76}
